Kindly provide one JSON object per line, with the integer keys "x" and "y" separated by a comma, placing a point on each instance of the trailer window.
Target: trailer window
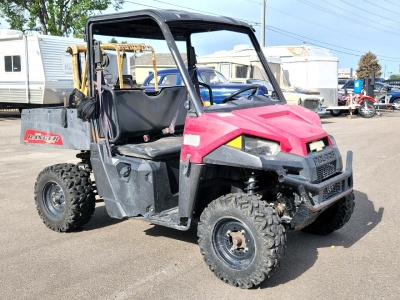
{"x": 12, "y": 63}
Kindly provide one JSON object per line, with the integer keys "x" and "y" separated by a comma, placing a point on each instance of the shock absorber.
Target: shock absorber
{"x": 251, "y": 183}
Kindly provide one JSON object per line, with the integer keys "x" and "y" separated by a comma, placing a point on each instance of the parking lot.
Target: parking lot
{"x": 132, "y": 259}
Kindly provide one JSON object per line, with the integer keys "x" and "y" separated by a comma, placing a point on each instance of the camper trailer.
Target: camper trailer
{"x": 35, "y": 70}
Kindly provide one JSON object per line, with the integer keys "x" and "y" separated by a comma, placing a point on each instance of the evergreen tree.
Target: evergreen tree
{"x": 53, "y": 17}
{"x": 368, "y": 63}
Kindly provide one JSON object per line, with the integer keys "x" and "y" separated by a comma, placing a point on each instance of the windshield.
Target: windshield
{"x": 211, "y": 77}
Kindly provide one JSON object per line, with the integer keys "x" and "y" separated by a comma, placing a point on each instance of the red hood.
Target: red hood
{"x": 290, "y": 125}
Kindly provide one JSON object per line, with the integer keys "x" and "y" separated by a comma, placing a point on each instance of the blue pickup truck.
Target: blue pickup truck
{"x": 220, "y": 86}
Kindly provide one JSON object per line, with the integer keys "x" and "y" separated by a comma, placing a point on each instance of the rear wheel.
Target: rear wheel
{"x": 333, "y": 218}
{"x": 64, "y": 197}
{"x": 336, "y": 112}
{"x": 367, "y": 109}
{"x": 241, "y": 239}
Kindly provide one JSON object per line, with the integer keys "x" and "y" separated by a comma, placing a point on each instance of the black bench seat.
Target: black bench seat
{"x": 165, "y": 147}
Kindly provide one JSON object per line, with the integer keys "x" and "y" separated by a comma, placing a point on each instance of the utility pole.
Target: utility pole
{"x": 263, "y": 23}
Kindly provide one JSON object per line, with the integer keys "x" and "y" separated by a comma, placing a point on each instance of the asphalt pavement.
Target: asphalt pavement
{"x": 132, "y": 259}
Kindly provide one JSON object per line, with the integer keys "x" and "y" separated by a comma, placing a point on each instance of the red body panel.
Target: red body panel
{"x": 290, "y": 125}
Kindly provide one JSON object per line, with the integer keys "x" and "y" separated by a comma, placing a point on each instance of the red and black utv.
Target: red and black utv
{"x": 243, "y": 171}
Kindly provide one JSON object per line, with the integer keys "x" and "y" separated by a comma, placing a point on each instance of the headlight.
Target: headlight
{"x": 255, "y": 145}
{"x": 261, "y": 147}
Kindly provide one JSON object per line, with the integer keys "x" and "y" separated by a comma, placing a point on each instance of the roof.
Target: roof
{"x": 147, "y": 23}
{"x": 175, "y": 70}
{"x": 297, "y": 51}
{"x": 164, "y": 59}
{"x": 170, "y": 15}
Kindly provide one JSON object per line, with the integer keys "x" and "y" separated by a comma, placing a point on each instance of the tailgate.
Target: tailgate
{"x": 57, "y": 127}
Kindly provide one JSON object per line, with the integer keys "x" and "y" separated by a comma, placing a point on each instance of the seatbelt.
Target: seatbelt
{"x": 171, "y": 128}
{"x": 193, "y": 76}
{"x": 104, "y": 107}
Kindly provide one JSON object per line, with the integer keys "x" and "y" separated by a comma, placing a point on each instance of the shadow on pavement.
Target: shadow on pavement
{"x": 302, "y": 248}
{"x": 100, "y": 219}
{"x": 189, "y": 236}
{"x": 9, "y": 115}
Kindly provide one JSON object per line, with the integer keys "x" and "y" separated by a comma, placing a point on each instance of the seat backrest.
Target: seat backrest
{"x": 140, "y": 114}
{"x": 127, "y": 81}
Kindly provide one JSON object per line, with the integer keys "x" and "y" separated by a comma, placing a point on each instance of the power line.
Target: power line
{"x": 290, "y": 35}
{"x": 293, "y": 35}
{"x": 345, "y": 17}
{"x": 392, "y": 3}
{"x": 351, "y": 12}
{"x": 278, "y": 30}
{"x": 384, "y": 8}
{"x": 320, "y": 25}
{"x": 365, "y": 10}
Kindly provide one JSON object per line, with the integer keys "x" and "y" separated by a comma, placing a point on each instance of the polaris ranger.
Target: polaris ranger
{"x": 243, "y": 171}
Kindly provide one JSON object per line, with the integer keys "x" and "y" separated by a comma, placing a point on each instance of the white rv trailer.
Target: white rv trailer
{"x": 35, "y": 70}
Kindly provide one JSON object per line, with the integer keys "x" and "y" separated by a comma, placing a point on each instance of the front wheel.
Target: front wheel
{"x": 241, "y": 239}
{"x": 367, "y": 109}
{"x": 333, "y": 218}
{"x": 64, "y": 197}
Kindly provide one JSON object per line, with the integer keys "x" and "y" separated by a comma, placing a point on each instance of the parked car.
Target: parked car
{"x": 220, "y": 86}
{"x": 342, "y": 81}
{"x": 394, "y": 97}
{"x": 380, "y": 88}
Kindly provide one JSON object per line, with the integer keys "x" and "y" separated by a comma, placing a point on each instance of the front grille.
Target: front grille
{"x": 332, "y": 190}
{"x": 311, "y": 104}
{"x": 326, "y": 170}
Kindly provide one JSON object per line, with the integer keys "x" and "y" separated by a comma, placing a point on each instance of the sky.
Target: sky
{"x": 349, "y": 28}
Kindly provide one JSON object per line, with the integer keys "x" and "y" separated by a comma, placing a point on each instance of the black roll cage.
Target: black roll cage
{"x": 170, "y": 25}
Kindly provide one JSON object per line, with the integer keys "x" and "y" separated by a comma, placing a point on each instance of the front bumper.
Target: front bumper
{"x": 300, "y": 174}
{"x": 317, "y": 196}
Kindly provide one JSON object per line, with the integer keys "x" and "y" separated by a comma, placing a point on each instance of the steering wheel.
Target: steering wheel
{"x": 231, "y": 97}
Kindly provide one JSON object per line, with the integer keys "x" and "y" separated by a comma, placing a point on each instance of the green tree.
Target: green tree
{"x": 368, "y": 63}
{"x": 115, "y": 41}
{"x": 395, "y": 76}
{"x": 53, "y": 17}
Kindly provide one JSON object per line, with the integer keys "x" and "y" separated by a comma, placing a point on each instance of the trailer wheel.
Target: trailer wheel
{"x": 333, "y": 218}
{"x": 367, "y": 109}
{"x": 241, "y": 239}
{"x": 64, "y": 197}
{"x": 336, "y": 112}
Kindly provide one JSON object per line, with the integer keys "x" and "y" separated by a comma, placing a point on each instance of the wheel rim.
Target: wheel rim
{"x": 234, "y": 243}
{"x": 396, "y": 104}
{"x": 367, "y": 109}
{"x": 54, "y": 199}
